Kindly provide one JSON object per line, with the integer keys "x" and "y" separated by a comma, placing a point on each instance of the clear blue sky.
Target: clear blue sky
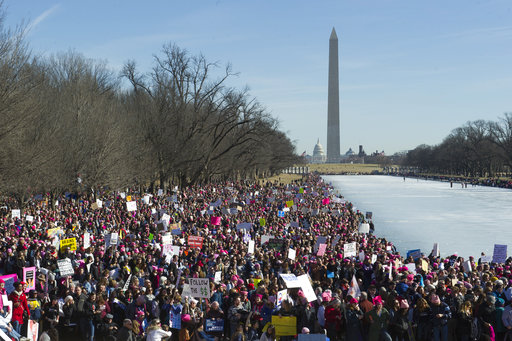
{"x": 410, "y": 71}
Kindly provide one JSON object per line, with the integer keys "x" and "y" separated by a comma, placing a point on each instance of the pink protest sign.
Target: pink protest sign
{"x": 321, "y": 249}
{"x": 215, "y": 221}
{"x": 326, "y": 201}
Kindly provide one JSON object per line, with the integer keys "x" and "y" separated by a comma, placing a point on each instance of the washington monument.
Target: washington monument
{"x": 333, "y": 103}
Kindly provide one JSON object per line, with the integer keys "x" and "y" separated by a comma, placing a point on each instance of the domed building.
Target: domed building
{"x": 318, "y": 154}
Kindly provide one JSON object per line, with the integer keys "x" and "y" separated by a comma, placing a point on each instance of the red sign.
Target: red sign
{"x": 194, "y": 241}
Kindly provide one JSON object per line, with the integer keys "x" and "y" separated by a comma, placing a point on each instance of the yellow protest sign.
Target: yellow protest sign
{"x": 256, "y": 281}
{"x": 424, "y": 265}
{"x": 301, "y": 190}
{"x": 53, "y": 232}
{"x": 285, "y": 325}
{"x": 128, "y": 198}
{"x": 263, "y": 222}
{"x": 69, "y": 243}
{"x": 289, "y": 203}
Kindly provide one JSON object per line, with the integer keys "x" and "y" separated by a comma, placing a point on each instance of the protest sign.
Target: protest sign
{"x": 349, "y": 250}
{"x": 294, "y": 224}
{"x": 280, "y": 214}
{"x": 146, "y": 199}
{"x": 65, "y": 267}
{"x": 411, "y": 267}
{"x": 290, "y": 280}
{"x": 29, "y": 276}
{"x": 127, "y": 283}
{"x": 69, "y": 244}
{"x": 364, "y": 228}
{"x": 307, "y": 289}
{"x": 29, "y": 218}
{"x": 321, "y": 249}
{"x": 199, "y": 287}
{"x": 361, "y": 256}
{"x": 213, "y": 325}
{"x": 265, "y": 239}
{"x": 291, "y": 254}
{"x": 243, "y": 226}
{"x": 175, "y": 229}
{"x": 467, "y": 266}
{"x": 32, "y": 330}
{"x": 215, "y": 221}
{"x": 87, "y": 240}
{"x": 114, "y": 237}
{"x": 9, "y": 282}
{"x": 131, "y": 206}
{"x": 415, "y": 254}
{"x": 251, "y": 247}
{"x": 435, "y": 250}
{"x": 319, "y": 240}
{"x": 281, "y": 296}
{"x": 218, "y": 277}
{"x": 285, "y": 325}
{"x": 16, "y": 214}
{"x": 195, "y": 241}
{"x": 276, "y": 244}
{"x": 424, "y": 265}
{"x": 289, "y": 203}
{"x": 374, "y": 259}
{"x": 486, "y": 259}
{"x": 500, "y": 253}
{"x": 263, "y": 221}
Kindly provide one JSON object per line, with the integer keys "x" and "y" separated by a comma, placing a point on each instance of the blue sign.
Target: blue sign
{"x": 415, "y": 254}
{"x": 213, "y": 325}
{"x": 280, "y": 214}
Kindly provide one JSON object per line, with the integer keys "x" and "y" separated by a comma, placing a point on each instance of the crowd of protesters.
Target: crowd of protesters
{"x": 137, "y": 289}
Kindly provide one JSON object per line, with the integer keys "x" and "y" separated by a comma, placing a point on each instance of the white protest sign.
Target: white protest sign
{"x": 199, "y": 287}
{"x": 146, "y": 199}
{"x": 290, "y": 280}
{"x": 364, "y": 228}
{"x": 361, "y": 256}
{"x": 5, "y": 300}
{"x": 486, "y": 259}
{"x": 99, "y": 203}
{"x": 114, "y": 236}
{"x": 251, "y": 246}
{"x": 218, "y": 277}
{"x": 65, "y": 267}
{"x": 349, "y": 250}
{"x": 374, "y": 259}
{"x": 306, "y": 287}
{"x": 186, "y": 291}
{"x": 411, "y": 267}
{"x": 281, "y": 296}
{"x": 291, "y": 254}
{"x": 87, "y": 240}
{"x": 435, "y": 250}
{"x": 29, "y": 218}
{"x": 265, "y": 238}
{"x": 131, "y": 206}
{"x": 467, "y": 266}
{"x": 16, "y": 214}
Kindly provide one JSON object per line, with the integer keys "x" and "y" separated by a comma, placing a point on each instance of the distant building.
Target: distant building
{"x": 318, "y": 154}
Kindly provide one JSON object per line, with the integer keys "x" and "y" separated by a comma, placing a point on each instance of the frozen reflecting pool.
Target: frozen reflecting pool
{"x": 415, "y": 214}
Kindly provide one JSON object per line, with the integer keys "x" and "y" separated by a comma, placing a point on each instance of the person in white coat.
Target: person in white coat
{"x": 154, "y": 332}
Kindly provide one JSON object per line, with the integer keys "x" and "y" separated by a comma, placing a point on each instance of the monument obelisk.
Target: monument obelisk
{"x": 333, "y": 103}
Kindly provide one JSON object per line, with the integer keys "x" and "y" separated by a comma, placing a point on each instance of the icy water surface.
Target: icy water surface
{"x": 414, "y": 214}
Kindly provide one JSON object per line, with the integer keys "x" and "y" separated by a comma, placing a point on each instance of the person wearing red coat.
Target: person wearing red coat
{"x": 19, "y": 305}
{"x": 333, "y": 319}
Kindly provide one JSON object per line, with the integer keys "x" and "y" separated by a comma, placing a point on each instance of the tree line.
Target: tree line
{"x": 476, "y": 149}
{"x": 70, "y": 123}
